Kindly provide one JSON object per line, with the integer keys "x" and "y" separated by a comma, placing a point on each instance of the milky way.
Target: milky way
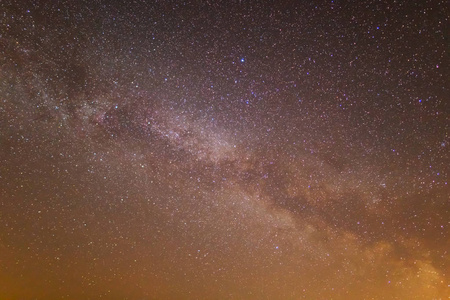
{"x": 224, "y": 150}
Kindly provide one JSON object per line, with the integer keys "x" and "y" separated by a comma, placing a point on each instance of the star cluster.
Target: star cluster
{"x": 224, "y": 150}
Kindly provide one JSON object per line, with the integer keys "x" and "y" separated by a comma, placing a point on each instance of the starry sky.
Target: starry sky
{"x": 224, "y": 149}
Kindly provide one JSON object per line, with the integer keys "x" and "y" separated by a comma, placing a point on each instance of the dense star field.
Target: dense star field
{"x": 224, "y": 149}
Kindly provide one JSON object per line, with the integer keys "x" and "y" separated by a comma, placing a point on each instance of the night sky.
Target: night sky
{"x": 224, "y": 149}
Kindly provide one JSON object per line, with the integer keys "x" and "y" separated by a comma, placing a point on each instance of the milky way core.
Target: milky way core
{"x": 224, "y": 150}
